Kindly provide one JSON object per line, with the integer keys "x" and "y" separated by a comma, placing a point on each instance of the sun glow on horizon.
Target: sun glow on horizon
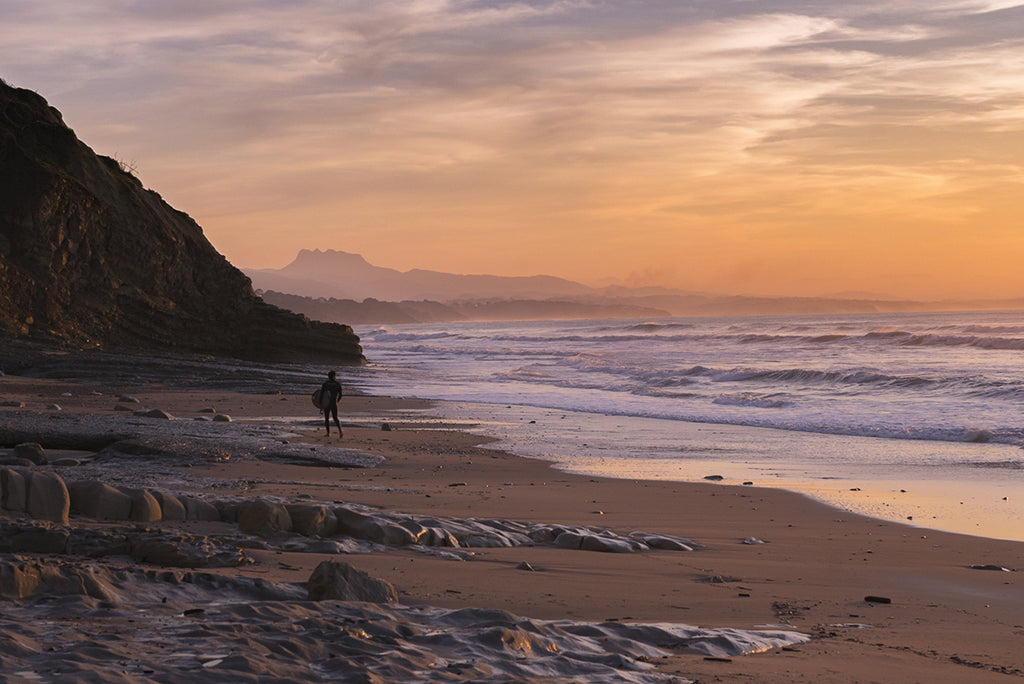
{"x": 735, "y": 147}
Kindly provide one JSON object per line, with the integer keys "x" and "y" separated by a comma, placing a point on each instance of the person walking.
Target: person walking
{"x": 331, "y": 393}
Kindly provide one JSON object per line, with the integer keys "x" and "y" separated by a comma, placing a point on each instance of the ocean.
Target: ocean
{"x": 914, "y": 417}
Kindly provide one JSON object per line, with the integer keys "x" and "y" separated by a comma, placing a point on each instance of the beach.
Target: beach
{"x": 943, "y": 607}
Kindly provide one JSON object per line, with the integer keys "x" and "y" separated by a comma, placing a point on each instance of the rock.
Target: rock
{"x": 877, "y": 599}
{"x": 95, "y": 499}
{"x": 222, "y": 418}
{"x": 13, "y": 404}
{"x": 714, "y": 478}
{"x": 312, "y": 520}
{"x": 53, "y": 407}
{"x": 47, "y": 497}
{"x": 989, "y": 566}
{"x": 154, "y": 413}
{"x": 127, "y": 399}
{"x": 664, "y": 541}
{"x": 208, "y": 409}
{"x": 198, "y": 509}
{"x": 184, "y": 552}
{"x": 40, "y": 540}
{"x": 336, "y": 581}
{"x": 15, "y": 489}
{"x": 568, "y": 540}
{"x": 594, "y": 542}
{"x": 525, "y": 566}
{"x": 752, "y": 540}
{"x": 145, "y": 507}
{"x": 126, "y": 409}
{"x": 75, "y": 222}
{"x": 171, "y": 507}
{"x": 263, "y": 518}
{"x": 360, "y": 526}
{"x": 386, "y": 427}
{"x": 66, "y": 462}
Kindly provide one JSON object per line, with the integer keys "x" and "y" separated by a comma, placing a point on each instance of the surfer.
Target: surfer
{"x": 330, "y": 392}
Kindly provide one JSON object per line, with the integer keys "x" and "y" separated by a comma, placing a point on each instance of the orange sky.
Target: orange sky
{"x": 733, "y": 146}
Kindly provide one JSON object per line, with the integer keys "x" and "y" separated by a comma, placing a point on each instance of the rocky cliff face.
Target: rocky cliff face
{"x": 91, "y": 258}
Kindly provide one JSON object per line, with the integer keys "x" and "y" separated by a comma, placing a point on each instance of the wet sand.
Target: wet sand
{"x": 945, "y": 620}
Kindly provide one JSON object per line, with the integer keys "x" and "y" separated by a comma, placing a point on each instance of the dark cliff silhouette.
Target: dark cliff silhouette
{"x": 88, "y": 257}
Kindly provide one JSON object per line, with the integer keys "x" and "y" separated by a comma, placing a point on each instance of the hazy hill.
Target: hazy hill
{"x": 426, "y": 311}
{"x": 330, "y": 273}
{"x": 89, "y": 257}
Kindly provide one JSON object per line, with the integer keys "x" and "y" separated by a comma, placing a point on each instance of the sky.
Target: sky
{"x": 730, "y": 146}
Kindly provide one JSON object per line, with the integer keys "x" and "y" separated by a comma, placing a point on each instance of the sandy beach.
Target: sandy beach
{"x": 944, "y": 607}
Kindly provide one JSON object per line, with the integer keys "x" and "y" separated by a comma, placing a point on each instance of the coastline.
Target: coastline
{"x": 946, "y": 621}
{"x": 964, "y": 499}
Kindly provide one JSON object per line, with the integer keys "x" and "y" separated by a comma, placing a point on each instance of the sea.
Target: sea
{"x": 912, "y": 417}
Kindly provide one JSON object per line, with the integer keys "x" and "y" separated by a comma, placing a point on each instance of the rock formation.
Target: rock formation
{"x": 88, "y": 257}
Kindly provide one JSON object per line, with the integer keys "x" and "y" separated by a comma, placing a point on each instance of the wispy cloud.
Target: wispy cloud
{"x": 499, "y": 126}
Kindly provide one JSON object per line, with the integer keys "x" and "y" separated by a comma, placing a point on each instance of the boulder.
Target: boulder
{"x": 361, "y": 526}
{"x": 263, "y": 518}
{"x": 30, "y": 451}
{"x": 336, "y": 581}
{"x": 95, "y": 499}
{"x": 171, "y": 507}
{"x": 15, "y": 489}
{"x": 145, "y": 507}
{"x": 312, "y": 520}
{"x": 221, "y": 418}
{"x": 198, "y": 509}
{"x": 47, "y": 497}
{"x": 159, "y": 414}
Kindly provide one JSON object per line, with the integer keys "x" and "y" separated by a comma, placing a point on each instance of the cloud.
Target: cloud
{"x": 677, "y": 120}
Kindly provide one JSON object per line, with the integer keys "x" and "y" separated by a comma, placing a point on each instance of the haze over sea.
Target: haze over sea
{"x": 900, "y": 416}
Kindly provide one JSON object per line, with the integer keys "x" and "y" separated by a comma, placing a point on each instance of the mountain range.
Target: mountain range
{"x": 333, "y": 285}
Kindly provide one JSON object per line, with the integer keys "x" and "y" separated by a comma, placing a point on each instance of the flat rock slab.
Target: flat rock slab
{"x": 182, "y": 441}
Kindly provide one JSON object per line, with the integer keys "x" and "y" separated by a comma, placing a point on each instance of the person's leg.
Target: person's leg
{"x": 327, "y": 422}
{"x": 334, "y": 414}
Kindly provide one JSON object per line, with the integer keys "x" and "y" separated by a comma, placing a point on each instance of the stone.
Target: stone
{"x": 524, "y": 565}
{"x": 171, "y": 507}
{"x": 222, "y": 418}
{"x": 47, "y": 497}
{"x": 208, "y": 409}
{"x": 312, "y": 520}
{"x": 15, "y": 489}
{"x": 594, "y": 542}
{"x": 30, "y": 451}
{"x": 263, "y": 518}
{"x": 198, "y": 509}
{"x": 337, "y": 581}
{"x": 128, "y": 399}
{"x": 370, "y": 528}
{"x": 13, "y": 404}
{"x": 145, "y": 507}
{"x": 98, "y": 500}
{"x": 40, "y": 540}
{"x": 159, "y": 414}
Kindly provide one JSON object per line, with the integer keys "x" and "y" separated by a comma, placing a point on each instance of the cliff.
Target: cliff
{"x": 88, "y": 257}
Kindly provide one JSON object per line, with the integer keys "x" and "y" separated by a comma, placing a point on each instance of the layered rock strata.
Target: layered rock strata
{"x": 90, "y": 258}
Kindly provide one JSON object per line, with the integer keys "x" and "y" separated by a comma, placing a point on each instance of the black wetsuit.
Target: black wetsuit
{"x": 332, "y": 387}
